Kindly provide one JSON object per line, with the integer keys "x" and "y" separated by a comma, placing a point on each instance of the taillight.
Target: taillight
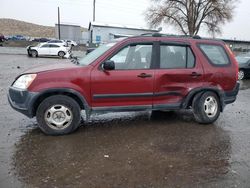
{"x": 232, "y": 57}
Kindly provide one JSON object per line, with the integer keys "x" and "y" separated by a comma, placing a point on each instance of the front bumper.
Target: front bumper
{"x": 22, "y": 101}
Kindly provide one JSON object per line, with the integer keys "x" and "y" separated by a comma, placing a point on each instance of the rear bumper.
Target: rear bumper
{"x": 22, "y": 101}
{"x": 230, "y": 97}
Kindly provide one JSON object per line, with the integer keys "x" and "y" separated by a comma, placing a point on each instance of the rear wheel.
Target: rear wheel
{"x": 241, "y": 75}
{"x": 206, "y": 107}
{"x": 61, "y": 54}
{"x": 58, "y": 115}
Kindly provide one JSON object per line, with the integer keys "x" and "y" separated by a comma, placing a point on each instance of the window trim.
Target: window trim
{"x": 153, "y": 43}
{"x": 208, "y": 59}
{"x": 186, "y": 45}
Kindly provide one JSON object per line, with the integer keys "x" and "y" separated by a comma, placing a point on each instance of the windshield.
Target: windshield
{"x": 242, "y": 59}
{"x": 95, "y": 54}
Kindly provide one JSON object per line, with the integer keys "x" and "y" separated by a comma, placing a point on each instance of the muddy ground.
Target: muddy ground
{"x": 167, "y": 149}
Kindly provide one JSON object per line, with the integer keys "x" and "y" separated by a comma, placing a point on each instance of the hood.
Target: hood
{"x": 52, "y": 67}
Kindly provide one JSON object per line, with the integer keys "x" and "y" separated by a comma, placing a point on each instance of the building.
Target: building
{"x": 69, "y": 32}
{"x": 238, "y": 45}
{"x": 101, "y": 33}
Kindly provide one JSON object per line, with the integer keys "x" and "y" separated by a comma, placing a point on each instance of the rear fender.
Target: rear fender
{"x": 196, "y": 93}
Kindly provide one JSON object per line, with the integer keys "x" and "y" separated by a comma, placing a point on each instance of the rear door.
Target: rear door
{"x": 54, "y": 49}
{"x": 178, "y": 71}
{"x": 130, "y": 85}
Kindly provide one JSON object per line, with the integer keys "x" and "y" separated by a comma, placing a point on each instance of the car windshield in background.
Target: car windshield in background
{"x": 39, "y": 44}
{"x": 88, "y": 59}
{"x": 243, "y": 59}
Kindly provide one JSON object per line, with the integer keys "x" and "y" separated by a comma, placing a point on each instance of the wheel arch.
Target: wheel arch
{"x": 191, "y": 95}
{"x": 67, "y": 92}
{"x": 34, "y": 51}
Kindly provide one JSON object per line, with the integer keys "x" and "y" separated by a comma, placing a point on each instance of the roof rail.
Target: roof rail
{"x": 169, "y": 35}
{"x": 151, "y": 34}
{"x": 196, "y": 37}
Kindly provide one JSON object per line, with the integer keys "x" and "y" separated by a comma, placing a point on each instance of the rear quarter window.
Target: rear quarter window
{"x": 216, "y": 54}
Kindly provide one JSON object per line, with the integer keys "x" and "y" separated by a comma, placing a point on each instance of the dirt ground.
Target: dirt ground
{"x": 142, "y": 149}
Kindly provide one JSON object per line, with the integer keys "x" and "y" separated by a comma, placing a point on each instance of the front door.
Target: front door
{"x": 44, "y": 50}
{"x": 130, "y": 84}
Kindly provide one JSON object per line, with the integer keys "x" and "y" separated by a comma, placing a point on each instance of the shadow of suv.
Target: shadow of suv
{"x": 148, "y": 72}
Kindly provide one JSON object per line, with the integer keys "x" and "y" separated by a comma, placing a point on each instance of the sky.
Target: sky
{"x": 126, "y": 12}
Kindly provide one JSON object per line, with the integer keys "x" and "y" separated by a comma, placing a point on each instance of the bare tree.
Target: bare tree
{"x": 189, "y": 16}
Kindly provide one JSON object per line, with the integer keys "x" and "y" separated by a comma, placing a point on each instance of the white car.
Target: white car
{"x": 57, "y": 41}
{"x": 49, "y": 49}
{"x": 71, "y": 43}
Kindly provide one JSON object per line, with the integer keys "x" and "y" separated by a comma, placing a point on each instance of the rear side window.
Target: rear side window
{"x": 216, "y": 54}
{"x": 54, "y": 46}
{"x": 176, "y": 57}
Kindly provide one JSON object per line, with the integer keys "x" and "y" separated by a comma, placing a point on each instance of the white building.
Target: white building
{"x": 101, "y": 33}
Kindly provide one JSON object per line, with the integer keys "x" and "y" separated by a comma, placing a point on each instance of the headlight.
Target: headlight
{"x": 24, "y": 81}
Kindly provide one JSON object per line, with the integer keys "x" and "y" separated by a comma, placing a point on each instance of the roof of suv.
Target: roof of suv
{"x": 178, "y": 37}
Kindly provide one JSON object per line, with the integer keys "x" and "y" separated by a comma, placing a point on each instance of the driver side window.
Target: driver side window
{"x": 133, "y": 57}
{"x": 45, "y": 46}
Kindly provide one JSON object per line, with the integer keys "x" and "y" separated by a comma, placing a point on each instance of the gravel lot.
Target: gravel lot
{"x": 166, "y": 149}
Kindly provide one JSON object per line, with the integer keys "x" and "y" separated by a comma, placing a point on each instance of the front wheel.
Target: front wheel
{"x": 34, "y": 53}
{"x": 58, "y": 115}
{"x": 206, "y": 107}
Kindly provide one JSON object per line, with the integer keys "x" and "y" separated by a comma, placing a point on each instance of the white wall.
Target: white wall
{"x": 106, "y": 32}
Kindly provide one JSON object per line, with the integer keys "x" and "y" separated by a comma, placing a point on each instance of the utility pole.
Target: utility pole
{"x": 94, "y": 10}
{"x": 59, "y": 26}
{"x": 91, "y": 32}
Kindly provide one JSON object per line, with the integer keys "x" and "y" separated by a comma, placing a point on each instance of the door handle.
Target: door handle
{"x": 195, "y": 74}
{"x": 144, "y": 75}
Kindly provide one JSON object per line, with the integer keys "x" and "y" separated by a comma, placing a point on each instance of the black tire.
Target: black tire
{"x": 33, "y": 53}
{"x": 241, "y": 74}
{"x": 61, "y": 54}
{"x": 47, "y": 120}
{"x": 201, "y": 107}
{"x": 29, "y": 54}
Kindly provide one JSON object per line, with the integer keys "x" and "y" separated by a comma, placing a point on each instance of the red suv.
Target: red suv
{"x": 148, "y": 72}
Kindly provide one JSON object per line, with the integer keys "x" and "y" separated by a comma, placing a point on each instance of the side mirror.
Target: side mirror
{"x": 109, "y": 65}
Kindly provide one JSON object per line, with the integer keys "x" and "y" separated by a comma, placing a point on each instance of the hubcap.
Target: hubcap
{"x": 240, "y": 75}
{"x": 210, "y": 106}
{"x": 34, "y": 54}
{"x": 58, "y": 117}
{"x": 61, "y": 54}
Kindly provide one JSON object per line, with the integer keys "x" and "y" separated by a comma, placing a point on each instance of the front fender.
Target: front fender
{"x": 39, "y": 97}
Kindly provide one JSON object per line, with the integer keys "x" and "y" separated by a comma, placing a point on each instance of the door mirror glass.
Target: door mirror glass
{"x": 109, "y": 65}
